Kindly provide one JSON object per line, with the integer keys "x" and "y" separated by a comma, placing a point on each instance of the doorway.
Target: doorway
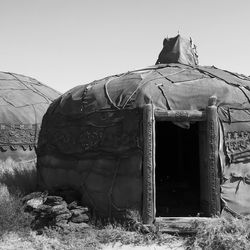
{"x": 177, "y": 173}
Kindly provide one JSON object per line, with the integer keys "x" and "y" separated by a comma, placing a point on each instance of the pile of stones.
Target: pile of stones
{"x": 51, "y": 210}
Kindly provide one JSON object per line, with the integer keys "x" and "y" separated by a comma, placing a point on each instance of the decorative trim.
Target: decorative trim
{"x": 180, "y": 115}
{"x": 18, "y": 135}
{"x": 4, "y": 126}
{"x": 148, "y": 214}
{"x": 237, "y": 141}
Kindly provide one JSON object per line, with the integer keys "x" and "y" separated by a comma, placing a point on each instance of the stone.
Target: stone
{"x": 84, "y": 209}
{"x": 79, "y": 218}
{"x": 59, "y": 209}
{"x": 62, "y": 217}
{"x": 72, "y": 205}
{"x": 35, "y": 202}
{"x": 52, "y": 210}
{"x": 62, "y": 223}
{"x": 35, "y": 195}
{"x": 78, "y": 211}
{"x": 43, "y": 209}
{"x": 55, "y": 200}
{"x": 56, "y": 203}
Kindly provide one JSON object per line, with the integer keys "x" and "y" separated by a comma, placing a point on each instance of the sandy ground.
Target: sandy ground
{"x": 12, "y": 241}
{"x": 173, "y": 246}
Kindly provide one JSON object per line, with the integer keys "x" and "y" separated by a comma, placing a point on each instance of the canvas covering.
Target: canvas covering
{"x": 23, "y": 102}
{"x": 178, "y": 50}
{"x": 91, "y": 137}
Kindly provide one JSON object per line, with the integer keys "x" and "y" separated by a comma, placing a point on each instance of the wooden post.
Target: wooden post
{"x": 148, "y": 213}
{"x": 212, "y": 158}
{"x": 204, "y": 200}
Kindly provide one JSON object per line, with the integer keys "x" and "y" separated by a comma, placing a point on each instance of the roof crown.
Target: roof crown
{"x": 178, "y": 50}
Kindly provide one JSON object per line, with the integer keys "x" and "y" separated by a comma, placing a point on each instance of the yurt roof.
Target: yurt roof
{"x": 23, "y": 100}
{"x": 173, "y": 86}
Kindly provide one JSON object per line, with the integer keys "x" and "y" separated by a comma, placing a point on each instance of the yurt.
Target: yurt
{"x": 169, "y": 140}
{"x": 23, "y": 102}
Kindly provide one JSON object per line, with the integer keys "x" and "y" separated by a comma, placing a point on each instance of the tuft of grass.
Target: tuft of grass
{"x": 18, "y": 175}
{"x": 12, "y": 215}
{"x": 223, "y": 234}
{"x": 115, "y": 233}
{"x": 32, "y": 241}
{"x": 97, "y": 236}
{"x": 71, "y": 239}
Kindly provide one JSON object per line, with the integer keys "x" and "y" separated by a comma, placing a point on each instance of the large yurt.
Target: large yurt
{"x": 169, "y": 140}
{"x": 23, "y": 102}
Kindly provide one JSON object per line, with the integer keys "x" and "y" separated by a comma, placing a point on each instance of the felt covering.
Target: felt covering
{"x": 235, "y": 186}
{"x": 91, "y": 137}
{"x": 167, "y": 86}
{"x": 23, "y": 102}
{"x": 178, "y": 49}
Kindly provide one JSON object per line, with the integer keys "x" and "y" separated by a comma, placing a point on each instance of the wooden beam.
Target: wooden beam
{"x": 180, "y": 225}
{"x": 180, "y": 115}
{"x": 212, "y": 158}
{"x": 148, "y": 213}
{"x": 204, "y": 200}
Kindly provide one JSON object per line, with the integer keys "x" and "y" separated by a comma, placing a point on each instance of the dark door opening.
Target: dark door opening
{"x": 177, "y": 170}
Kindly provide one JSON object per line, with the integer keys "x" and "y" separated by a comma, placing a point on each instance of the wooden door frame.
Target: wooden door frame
{"x": 210, "y": 115}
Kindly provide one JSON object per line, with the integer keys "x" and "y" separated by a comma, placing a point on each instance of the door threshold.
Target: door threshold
{"x": 180, "y": 225}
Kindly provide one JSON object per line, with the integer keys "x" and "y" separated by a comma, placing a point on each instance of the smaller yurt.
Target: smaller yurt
{"x": 23, "y": 102}
{"x": 169, "y": 140}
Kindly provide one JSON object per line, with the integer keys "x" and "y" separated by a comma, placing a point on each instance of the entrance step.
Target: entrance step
{"x": 180, "y": 225}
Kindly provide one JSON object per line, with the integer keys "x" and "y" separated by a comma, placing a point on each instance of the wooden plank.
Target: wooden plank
{"x": 212, "y": 157}
{"x": 148, "y": 213}
{"x": 180, "y": 225}
{"x": 204, "y": 199}
{"x": 180, "y": 115}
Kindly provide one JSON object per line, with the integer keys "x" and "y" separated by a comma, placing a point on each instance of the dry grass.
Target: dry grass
{"x": 16, "y": 232}
{"x": 12, "y": 215}
{"x": 223, "y": 234}
{"x": 90, "y": 239}
{"x": 112, "y": 234}
{"x": 14, "y": 241}
{"x": 18, "y": 175}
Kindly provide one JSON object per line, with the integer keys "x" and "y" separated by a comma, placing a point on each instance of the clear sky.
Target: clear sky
{"x": 64, "y": 43}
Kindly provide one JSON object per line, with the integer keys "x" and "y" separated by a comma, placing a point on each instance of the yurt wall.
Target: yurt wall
{"x": 23, "y": 102}
{"x": 99, "y": 155}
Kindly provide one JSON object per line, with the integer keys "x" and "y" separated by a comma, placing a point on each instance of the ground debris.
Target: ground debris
{"x": 54, "y": 211}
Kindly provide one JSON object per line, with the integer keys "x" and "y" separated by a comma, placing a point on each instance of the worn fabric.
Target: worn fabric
{"x": 96, "y": 127}
{"x": 23, "y": 102}
{"x": 107, "y": 132}
{"x": 235, "y": 186}
{"x": 178, "y": 49}
{"x": 169, "y": 86}
{"x": 110, "y": 185}
{"x": 100, "y": 156}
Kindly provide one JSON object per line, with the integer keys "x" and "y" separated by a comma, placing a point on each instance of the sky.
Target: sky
{"x": 64, "y": 43}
